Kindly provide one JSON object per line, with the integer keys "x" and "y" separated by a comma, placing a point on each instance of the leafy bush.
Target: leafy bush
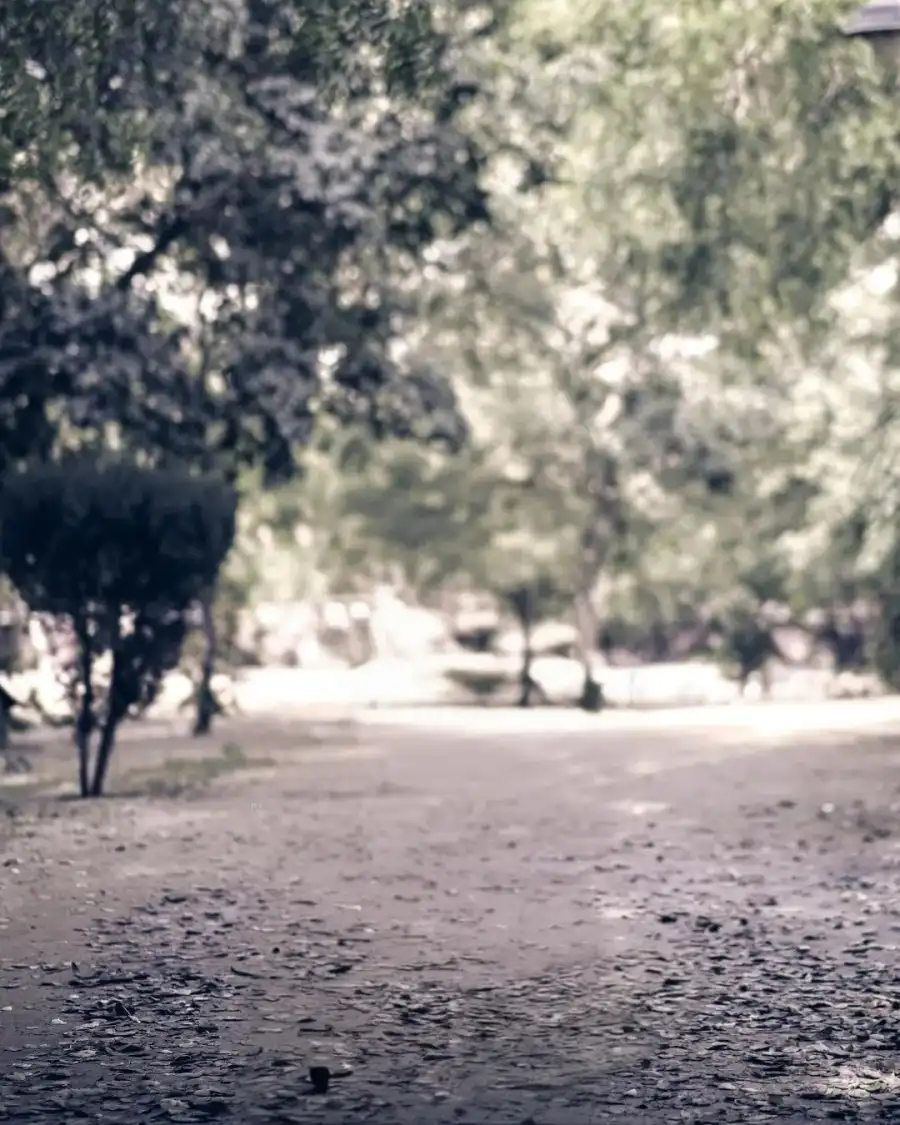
{"x": 118, "y": 553}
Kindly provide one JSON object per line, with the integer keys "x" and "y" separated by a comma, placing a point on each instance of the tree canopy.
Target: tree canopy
{"x": 623, "y": 272}
{"x": 247, "y": 269}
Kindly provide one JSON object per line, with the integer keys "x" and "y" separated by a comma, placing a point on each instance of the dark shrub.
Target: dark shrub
{"x": 120, "y": 553}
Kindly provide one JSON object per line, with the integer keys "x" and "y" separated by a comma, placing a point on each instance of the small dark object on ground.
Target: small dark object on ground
{"x": 320, "y": 1077}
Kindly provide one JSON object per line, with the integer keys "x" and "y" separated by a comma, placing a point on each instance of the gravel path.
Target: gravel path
{"x": 570, "y": 926}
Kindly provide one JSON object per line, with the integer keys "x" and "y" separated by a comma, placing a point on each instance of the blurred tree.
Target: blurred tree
{"x": 262, "y": 245}
{"x": 454, "y": 521}
{"x": 291, "y": 164}
{"x": 665, "y": 345}
{"x": 657, "y": 321}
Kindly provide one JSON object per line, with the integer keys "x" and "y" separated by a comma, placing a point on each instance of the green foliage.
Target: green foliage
{"x": 442, "y": 521}
{"x": 89, "y": 87}
{"x": 74, "y": 78}
{"x": 660, "y": 335}
{"x": 622, "y": 271}
{"x": 104, "y": 537}
{"x": 422, "y": 512}
{"x": 120, "y": 553}
{"x": 286, "y": 216}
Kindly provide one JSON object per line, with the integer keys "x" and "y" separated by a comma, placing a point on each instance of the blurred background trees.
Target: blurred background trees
{"x": 589, "y": 308}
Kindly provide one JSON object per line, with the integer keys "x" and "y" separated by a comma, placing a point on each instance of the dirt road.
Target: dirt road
{"x": 561, "y": 922}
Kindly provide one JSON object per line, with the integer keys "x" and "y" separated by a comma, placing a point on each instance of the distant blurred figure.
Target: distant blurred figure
{"x": 750, "y": 647}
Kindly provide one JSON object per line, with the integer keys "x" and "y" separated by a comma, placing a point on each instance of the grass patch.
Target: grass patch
{"x": 176, "y": 776}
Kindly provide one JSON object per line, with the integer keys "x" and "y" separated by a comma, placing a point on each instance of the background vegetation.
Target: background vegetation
{"x": 590, "y": 306}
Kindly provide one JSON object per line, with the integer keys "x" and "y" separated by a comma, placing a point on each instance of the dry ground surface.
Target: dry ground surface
{"x": 467, "y": 916}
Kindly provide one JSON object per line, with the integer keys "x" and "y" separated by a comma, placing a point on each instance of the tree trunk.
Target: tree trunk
{"x": 84, "y": 723}
{"x": 591, "y": 698}
{"x": 115, "y": 712}
{"x": 521, "y": 602}
{"x": 83, "y": 743}
{"x": 104, "y": 752}
{"x": 6, "y": 704}
{"x": 526, "y": 682}
{"x": 206, "y": 701}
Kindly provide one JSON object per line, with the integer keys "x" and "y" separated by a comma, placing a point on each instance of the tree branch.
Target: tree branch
{"x": 144, "y": 263}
